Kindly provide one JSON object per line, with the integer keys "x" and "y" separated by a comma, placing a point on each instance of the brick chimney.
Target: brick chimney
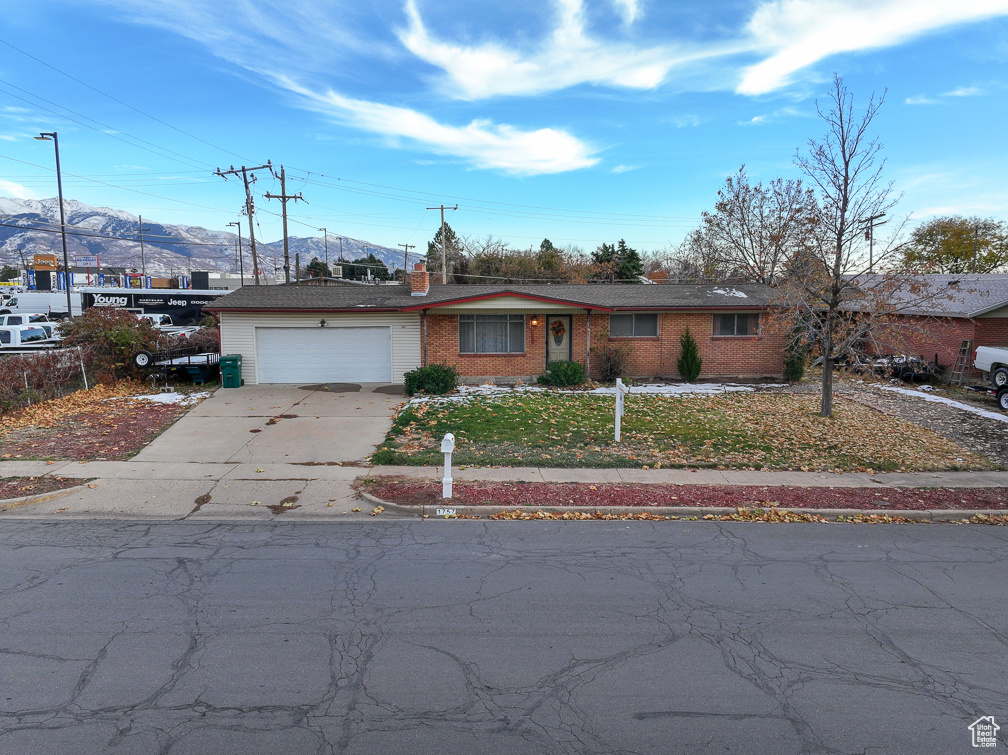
{"x": 419, "y": 280}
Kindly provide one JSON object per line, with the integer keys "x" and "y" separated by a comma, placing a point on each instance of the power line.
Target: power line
{"x": 116, "y": 99}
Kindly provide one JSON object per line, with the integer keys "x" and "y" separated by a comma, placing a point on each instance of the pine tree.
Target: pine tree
{"x": 689, "y": 362}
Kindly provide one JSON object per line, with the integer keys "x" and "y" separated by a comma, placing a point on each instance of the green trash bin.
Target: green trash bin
{"x": 230, "y": 367}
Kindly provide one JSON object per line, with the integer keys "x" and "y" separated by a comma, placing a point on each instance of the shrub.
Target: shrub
{"x": 206, "y": 339}
{"x": 611, "y": 361}
{"x": 435, "y": 379}
{"x": 689, "y": 362}
{"x": 113, "y": 336}
{"x": 563, "y": 374}
{"x": 795, "y": 357}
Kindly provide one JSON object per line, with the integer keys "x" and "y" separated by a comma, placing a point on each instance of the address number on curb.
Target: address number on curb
{"x": 446, "y": 512}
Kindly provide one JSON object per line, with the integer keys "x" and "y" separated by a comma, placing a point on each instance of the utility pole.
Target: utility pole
{"x": 976, "y": 247}
{"x": 241, "y": 262}
{"x": 870, "y": 226}
{"x": 249, "y": 206}
{"x": 283, "y": 196}
{"x": 444, "y": 252}
{"x": 143, "y": 258}
{"x": 340, "y": 248}
{"x": 405, "y": 260}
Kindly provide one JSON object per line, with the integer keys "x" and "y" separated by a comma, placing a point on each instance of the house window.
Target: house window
{"x": 737, "y": 324}
{"x": 492, "y": 334}
{"x": 633, "y": 326}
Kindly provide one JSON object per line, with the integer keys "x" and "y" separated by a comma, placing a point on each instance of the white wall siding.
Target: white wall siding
{"x": 238, "y": 334}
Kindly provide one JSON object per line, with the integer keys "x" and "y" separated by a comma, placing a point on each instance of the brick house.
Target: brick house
{"x": 956, "y": 308}
{"x": 294, "y": 334}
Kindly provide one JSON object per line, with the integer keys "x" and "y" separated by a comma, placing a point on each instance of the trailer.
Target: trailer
{"x": 200, "y": 366}
{"x": 184, "y": 305}
{"x": 992, "y": 361}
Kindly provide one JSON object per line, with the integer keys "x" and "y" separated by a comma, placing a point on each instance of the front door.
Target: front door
{"x": 558, "y": 338}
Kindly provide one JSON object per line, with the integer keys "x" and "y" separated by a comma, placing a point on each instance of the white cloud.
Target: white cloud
{"x": 628, "y": 9}
{"x": 687, "y": 120}
{"x": 799, "y": 33}
{"x": 964, "y": 92}
{"x": 17, "y": 191}
{"x": 624, "y": 168}
{"x": 566, "y": 58}
{"x": 481, "y": 142}
{"x": 776, "y": 115}
{"x": 921, "y": 99}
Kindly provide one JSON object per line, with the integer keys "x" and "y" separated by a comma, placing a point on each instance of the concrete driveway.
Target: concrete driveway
{"x": 280, "y": 424}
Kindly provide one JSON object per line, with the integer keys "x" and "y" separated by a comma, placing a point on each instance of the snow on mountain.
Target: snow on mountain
{"x": 31, "y": 226}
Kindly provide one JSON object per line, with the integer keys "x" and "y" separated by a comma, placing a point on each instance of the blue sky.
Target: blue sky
{"x": 576, "y": 120}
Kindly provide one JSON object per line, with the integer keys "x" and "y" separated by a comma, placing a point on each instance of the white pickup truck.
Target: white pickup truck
{"x": 993, "y": 360}
{"x": 23, "y": 337}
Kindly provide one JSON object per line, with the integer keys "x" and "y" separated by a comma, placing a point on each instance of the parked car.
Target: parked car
{"x": 14, "y": 336}
{"x": 23, "y": 318}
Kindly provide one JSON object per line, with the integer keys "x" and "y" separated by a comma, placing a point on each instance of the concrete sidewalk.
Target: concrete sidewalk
{"x": 236, "y": 491}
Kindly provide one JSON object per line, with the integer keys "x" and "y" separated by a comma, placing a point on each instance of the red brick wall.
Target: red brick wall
{"x": 723, "y": 357}
{"x": 992, "y": 331}
{"x": 924, "y": 337}
{"x": 443, "y": 348}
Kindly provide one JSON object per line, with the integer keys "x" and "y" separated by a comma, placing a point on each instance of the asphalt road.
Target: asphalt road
{"x": 499, "y": 637}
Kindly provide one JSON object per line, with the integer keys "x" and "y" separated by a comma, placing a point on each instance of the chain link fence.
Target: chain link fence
{"x": 28, "y": 378}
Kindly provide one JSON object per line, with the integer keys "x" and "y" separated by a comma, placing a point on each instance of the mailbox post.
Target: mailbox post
{"x": 447, "y": 447}
{"x": 621, "y": 391}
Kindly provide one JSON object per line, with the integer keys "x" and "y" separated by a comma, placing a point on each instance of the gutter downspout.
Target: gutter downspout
{"x": 423, "y": 317}
{"x": 588, "y": 346}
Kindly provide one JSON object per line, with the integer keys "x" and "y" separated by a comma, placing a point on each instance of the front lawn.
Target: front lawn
{"x": 729, "y": 430}
{"x": 107, "y": 422}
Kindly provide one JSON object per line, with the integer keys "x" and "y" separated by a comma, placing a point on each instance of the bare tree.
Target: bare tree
{"x": 755, "y": 228}
{"x": 829, "y": 289}
{"x": 696, "y": 260}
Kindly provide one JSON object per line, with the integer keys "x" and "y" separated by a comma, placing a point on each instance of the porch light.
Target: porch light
{"x": 535, "y": 319}
{"x": 321, "y": 323}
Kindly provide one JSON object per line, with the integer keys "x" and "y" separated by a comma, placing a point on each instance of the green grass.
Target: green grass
{"x": 732, "y": 430}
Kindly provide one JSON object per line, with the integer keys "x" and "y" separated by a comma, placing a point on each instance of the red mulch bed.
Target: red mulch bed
{"x": 114, "y": 433}
{"x": 415, "y": 491}
{"x": 19, "y": 487}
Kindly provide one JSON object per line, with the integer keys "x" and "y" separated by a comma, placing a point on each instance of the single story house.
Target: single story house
{"x": 311, "y": 334}
{"x": 945, "y": 310}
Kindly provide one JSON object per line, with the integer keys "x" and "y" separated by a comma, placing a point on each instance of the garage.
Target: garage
{"x": 324, "y": 354}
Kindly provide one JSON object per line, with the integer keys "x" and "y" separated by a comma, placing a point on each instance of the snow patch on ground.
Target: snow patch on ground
{"x": 185, "y": 399}
{"x": 943, "y": 400}
{"x": 467, "y": 392}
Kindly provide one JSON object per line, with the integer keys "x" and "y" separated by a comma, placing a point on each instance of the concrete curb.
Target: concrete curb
{"x": 13, "y": 503}
{"x": 931, "y": 515}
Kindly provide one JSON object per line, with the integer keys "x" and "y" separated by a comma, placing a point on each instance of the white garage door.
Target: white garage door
{"x": 324, "y": 355}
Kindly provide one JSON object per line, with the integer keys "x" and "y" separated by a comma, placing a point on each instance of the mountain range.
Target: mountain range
{"x": 29, "y": 226}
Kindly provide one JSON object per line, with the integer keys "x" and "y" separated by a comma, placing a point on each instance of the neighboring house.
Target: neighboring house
{"x": 311, "y": 334}
{"x": 948, "y": 310}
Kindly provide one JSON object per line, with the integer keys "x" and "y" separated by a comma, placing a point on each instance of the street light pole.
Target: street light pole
{"x": 325, "y": 237}
{"x": 241, "y": 262}
{"x": 45, "y": 137}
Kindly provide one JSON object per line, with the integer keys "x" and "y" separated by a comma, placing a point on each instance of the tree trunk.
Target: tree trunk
{"x": 826, "y": 407}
